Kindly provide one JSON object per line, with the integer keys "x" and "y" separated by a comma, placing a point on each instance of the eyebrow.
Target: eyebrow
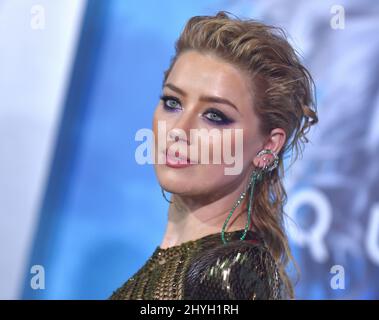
{"x": 213, "y": 99}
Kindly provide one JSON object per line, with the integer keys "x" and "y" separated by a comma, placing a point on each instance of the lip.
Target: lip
{"x": 177, "y": 162}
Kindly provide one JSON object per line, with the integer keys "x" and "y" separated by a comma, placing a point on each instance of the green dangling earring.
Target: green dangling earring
{"x": 257, "y": 175}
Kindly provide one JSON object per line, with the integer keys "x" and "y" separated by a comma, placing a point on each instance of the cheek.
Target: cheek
{"x": 250, "y": 146}
{"x": 163, "y": 118}
{"x": 158, "y": 116}
{"x": 235, "y": 143}
{"x": 162, "y": 115}
{"x": 160, "y": 121}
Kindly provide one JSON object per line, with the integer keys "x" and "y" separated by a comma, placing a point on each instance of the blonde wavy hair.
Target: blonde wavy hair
{"x": 284, "y": 94}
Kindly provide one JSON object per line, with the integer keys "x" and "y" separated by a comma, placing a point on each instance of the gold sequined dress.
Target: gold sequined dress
{"x": 207, "y": 269}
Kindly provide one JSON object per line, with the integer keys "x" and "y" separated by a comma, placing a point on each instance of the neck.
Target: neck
{"x": 190, "y": 218}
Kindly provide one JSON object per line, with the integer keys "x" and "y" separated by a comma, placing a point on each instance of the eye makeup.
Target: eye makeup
{"x": 212, "y": 115}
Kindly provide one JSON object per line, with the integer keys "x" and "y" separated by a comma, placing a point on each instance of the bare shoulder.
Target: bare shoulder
{"x": 237, "y": 270}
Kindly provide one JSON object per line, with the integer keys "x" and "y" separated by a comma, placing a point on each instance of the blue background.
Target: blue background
{"x": 103, "y": 214}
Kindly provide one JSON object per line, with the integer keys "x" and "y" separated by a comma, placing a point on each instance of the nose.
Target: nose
{"x": 181, "y": 129}
{"x": 177, "y": 134}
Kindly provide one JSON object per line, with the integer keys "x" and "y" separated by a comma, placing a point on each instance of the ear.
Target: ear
{"x": 274, "y": 142}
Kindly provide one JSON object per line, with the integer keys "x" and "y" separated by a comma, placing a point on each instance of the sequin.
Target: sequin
{"x": 206, "y": 269}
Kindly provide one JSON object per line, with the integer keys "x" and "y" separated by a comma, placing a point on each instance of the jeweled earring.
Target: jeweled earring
{"x": 257, "y": 175}
{"x": 164, "y": 196}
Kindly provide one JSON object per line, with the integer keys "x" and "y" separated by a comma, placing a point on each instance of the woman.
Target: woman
{"x": 224, "y": 237}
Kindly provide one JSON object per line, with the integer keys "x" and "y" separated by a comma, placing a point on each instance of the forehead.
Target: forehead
{"x": 199, "y": 73}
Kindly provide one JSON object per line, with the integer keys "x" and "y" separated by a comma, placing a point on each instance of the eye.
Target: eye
{"x": 217, "y": 117}
{"x": 170, "y": 103}
{"x": 213, "y": 115}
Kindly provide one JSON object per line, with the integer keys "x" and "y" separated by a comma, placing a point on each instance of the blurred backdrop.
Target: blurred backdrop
{"x": 79, "y": 78}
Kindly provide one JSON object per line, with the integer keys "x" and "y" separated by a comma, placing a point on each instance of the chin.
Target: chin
{"x": 192, "y": 184}
{"x": 175, "y": 182}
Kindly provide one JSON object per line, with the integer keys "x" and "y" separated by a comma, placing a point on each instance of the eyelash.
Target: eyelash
{"x": 224, "y": 119}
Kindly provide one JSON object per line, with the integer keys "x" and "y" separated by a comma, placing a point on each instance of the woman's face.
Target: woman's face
{"x": 183, "y": 108}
